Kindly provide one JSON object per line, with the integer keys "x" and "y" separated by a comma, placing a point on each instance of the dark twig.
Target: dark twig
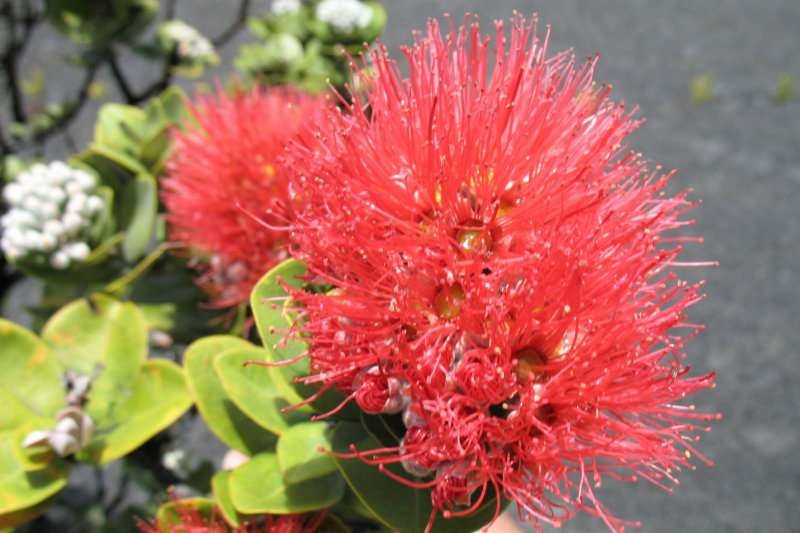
{"x": 235, "y": 26}
{"x": 162, "y": 83}
{"x": 19, "y": 32}
{"x": 9, "y": 59}
{"x": 77, "y": 104}
{"x": 119, "y": 77}
{"x": 64, "y": 120}
{"x": 133, "y": 98}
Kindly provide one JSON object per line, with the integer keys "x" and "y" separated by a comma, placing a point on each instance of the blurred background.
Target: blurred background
{"x": 716, "y": 82}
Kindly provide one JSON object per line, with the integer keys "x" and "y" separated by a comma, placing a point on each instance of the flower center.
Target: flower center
{"x": 474, "y": 237}
{"x": 449, "y": 300}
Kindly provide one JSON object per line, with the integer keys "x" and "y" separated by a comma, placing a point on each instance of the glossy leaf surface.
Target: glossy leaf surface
{"x": 400, "y": 507}
{"x": 268, "y": 300}
{"x": 258, "y": 486}
{"x": 299, "y": 454}
{"x": 140, "y": 203}
{"x": 103, "y": 334}
{"x": 31, "y": 375}
{"x": 223, "y": 417}
{"x": 20, "y": 489}
{"x": 222, "y": 497}
{"x": 252, "y": 390}
{"x": 157, "y": 398}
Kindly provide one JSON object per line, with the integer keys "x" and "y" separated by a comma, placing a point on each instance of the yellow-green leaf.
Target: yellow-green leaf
{"x": 268, "y": 301}
{"x": 171, "y": 513}
{"x": 251, "y": 389}
{"x": 100, "y": 331}
{"x": 258, "y": 486}
{"x": 299, "y": 454}
{"x": 221, "y": 414}
{"x": 222, "y": 497}
{"x": 20, "y": 489}
{"x": 29, "y": 372}
{"x": 158, "y": 397}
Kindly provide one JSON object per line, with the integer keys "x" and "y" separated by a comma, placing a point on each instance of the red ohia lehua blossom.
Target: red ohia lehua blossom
{"x": 503, "y": 275}
{"x": 225, "y": 171}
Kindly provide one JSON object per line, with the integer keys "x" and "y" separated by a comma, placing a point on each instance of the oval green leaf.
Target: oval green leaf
{"x": 139, "y": 206}
{"x": 268, "y": 302}
{"x": 114, "y": 165}
{"x": 158, "y": 397}
{"x": 23, "y": 516}
{"x": 251, "y": 389}
{"x": 15, "y": 412}
{"x": 37, "y": 457}
{"x": 20, "y": 489}
{"x": 222, "y": 497}
{"x": 258, "y": 486}
{"x": 172, "y": 513}
{"x": 30, "y": 373}
{"x": 223, "y": 417}
{"x": 119, "y": 126}
{"x": 100, "y": 331}
{"x": 299, "y": 454}
{"x": 400, "y": 507}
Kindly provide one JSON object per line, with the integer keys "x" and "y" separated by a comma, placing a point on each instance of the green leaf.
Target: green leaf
{"x": 251, "y": 389}
{"x": 97, "y": 23}
{"x": 119, "y": 126}
{"x": 100, "y": 331}
{"x": 140, "y": 204}
{"x": 23, "y": 516}
{"x": 20, "y": 489}
{"x": 400, "y": 507}
{"x": 154, "y": 150}
{"x": 272, "y": 322}
{"x": 170, "y": 513}
{"x": 388, "y": 430}
{"x": 378, "y": 22}
{"x": 115, "y": 167}
{"x": 38, "y": 457}
{"x": 269, "y": 316}
{"x": 226, "y": 420}
{"x": 299, "y": 454}
{"x": 258, "y": 486}
{"x": 220, "y": 484}
{"x": 30, "y": 372}
{"x": 15, "y": 411}
{"x": 158, "y": 397}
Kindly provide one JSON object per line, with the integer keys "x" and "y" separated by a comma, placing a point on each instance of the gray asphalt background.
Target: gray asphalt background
{"x": 739, "y": 152}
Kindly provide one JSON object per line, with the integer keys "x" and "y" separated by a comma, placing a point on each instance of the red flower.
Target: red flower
{"x": 503, "y": 276}
{"x": 225, "y": 170}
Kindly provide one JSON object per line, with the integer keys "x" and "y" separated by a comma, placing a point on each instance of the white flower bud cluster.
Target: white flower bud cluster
{"x": 51, "y": 212}
{"x": 280, "y": 7}
{"x": 190, "y": 42}
{"x": 72, "y": 433}
{"x": 344, "y": 15}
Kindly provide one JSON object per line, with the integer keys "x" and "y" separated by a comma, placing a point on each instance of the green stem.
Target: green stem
{"x": 116, "y": 287}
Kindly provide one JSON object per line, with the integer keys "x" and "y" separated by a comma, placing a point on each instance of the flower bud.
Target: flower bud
{"x": 13, "y": 193}
{"x": 78, "y": 251}
{"x": 63, "y": 444}
{"x": 59, "y": 260}
{"x": 281, "y": 7}
{"x": 344, "y": 16}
